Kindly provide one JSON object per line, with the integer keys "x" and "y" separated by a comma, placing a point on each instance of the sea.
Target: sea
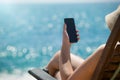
{"x": 30, "y": 34}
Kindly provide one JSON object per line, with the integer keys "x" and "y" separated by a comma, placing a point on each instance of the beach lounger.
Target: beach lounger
{"x": 108, "y": 67}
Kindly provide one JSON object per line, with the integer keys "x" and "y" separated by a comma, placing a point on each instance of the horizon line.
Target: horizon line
{"x": 52, "y": 2}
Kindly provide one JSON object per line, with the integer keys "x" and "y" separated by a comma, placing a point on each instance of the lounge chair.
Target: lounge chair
{"x": 108, "y": 67}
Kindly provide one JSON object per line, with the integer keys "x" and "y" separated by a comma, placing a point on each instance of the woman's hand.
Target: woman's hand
{"x": 66, "y": 41}
{"x": 65, "y": 37}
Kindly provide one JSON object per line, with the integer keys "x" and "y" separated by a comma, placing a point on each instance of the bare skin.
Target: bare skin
{"x": 66, "y": 66}
{"x": 53, "y": 65}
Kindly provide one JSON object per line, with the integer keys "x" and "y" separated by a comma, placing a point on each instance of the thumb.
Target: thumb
{"x": 65, "y": 27}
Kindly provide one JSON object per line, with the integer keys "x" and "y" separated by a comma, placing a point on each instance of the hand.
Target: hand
{"x": 65, "y": 36}
{"x": 66, "y": 41}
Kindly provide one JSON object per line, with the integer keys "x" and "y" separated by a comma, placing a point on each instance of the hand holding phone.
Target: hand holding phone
{"x": 71, "y": 30}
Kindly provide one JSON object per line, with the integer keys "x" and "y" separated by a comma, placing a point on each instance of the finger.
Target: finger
{"x": 77, "y": 34}
{"x": 78, "y": 39}
{"x": 65, "y": 27}
{"x": 77, "y": 31}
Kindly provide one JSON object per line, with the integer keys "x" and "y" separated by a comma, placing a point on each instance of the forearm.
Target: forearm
{"x": 65, "y": 62}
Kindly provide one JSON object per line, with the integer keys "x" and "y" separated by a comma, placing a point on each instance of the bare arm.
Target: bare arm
{"x": 65, "y": 62}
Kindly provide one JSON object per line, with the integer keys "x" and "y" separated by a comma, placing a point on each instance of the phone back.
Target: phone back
{"x": 71, "y": 29}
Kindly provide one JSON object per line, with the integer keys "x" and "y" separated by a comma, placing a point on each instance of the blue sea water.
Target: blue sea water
{"x": 30, "y": 34}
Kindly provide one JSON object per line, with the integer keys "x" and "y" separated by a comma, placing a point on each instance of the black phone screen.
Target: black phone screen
{"x": 71, "y": 29}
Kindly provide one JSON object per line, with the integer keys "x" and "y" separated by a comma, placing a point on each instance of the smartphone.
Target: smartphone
{"x": 71, "y": 29}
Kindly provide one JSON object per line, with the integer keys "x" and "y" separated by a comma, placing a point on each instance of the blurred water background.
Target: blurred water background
{"x": 30, "y": 34}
